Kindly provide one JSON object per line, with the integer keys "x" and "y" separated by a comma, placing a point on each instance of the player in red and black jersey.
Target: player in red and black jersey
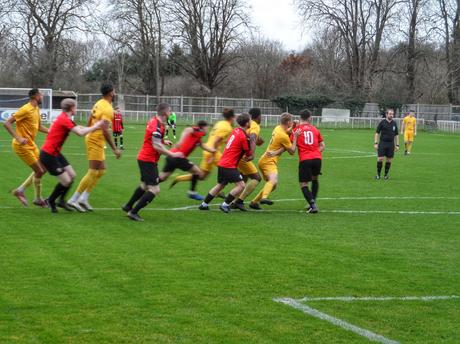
{"x": 310, "y": 145}
{"x": 117, "y": 127}
{"x": 237, "y": 148}
{"x": 189, "y": 140}
{"x": 147, "y": 159}
{"x": 52, "y": 158}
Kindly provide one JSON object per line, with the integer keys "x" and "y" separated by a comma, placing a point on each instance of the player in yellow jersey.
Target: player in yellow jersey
{"x": 219, "y": 133}
{"x": 409, "y": 128}
{"x": 95, "y": 145}
{"x": 28, "y": 123}
{"x": 247, "y": 168}
{"x": 268, "y": 163}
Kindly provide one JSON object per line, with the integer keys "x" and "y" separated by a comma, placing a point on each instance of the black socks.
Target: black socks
{"x": 195, "y": 179}
{"x": 314, "y": 188}
{"x": 146, "y": 198}
{"x": 379, "y": 167}
{"x": 138, "y": 193}
{"x": 229, "y": 199}
{"x": 308, "y": 195}
{"x": 387, "y": 167}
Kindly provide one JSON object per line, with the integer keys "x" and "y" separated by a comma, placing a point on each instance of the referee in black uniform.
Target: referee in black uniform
{"x": 386, "y": 142}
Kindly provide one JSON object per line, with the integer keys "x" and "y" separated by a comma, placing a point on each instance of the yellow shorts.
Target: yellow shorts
{"x": 268, "y": 167}
{"x": 95, "y": 152}
{"x": 30, "y": 155}
{"x": 247, "y": 168}
{"x": 210, "y": 160}
{"x": 409, "y": 136}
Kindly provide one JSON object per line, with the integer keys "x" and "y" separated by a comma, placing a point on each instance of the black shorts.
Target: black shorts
{"x": 228, "y": 175}
{"x": 54, "y": 164}
{"x": 149, "y": 172}
{"x": 308, "y": 169}
{"x": 117, "y": 133}
{"x": 386, "y": 149}
{"x": 182, "y": 163}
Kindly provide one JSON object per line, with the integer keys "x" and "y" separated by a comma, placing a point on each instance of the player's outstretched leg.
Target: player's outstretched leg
{"x": 148, "y": 196}
{"x": 210, "y": 196}
{"x": 138, "y": 193}
{"x": 234, "y": 193}
{"x": 250, "y": 186}
{"x": 19, "y": 192}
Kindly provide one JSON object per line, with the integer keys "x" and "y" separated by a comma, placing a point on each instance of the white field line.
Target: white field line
{"x": 296, "y": 303}
{"x": 336, "y": 321}
{"x": 380, "y": 298}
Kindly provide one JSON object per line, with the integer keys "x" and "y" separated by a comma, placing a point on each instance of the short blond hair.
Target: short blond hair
{"x": 285, "y": 118}
{"x": 68, "y": 103}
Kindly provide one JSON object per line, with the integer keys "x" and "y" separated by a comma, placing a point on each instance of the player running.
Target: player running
{"x": 268, "y": 163}
{"x": 217, "y": 137}
{"x": 386, "y": 142}
{"x": 237, "y": 148}
{"x": 409, "y": 128}
{"x": 28, "y": 123}
{"x": 247, "y": 168}
{"x": 189, "y": 140}
{"x": 147, "y": 160}
{"x": 52, "y": 158}
{"x": 310, "y": 146}
{"x": 171, "y": 124}
{"x": 95, "y": 143}
{"x": 118, "y": 127}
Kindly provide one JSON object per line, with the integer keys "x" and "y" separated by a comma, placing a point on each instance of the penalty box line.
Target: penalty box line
{"x": 372, "y": 336}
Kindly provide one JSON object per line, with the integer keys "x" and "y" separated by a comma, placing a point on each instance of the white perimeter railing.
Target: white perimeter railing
{"x": 141, "y": 117}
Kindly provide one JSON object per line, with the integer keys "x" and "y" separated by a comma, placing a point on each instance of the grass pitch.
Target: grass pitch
{"x": 185, "y": 276}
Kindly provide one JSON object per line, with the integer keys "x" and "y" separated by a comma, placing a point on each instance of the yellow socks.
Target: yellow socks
{"x": 248, "y": 189}
{"x": 267, "y": 190}
{"x": 258, "y": 197}
{"x": 183, "y": 178}
{"x": 37, "y": 187}
{"x": 87, "y": 180}
{"x": 26, "y": 182}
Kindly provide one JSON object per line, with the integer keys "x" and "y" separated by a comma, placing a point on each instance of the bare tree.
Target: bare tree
{"x": 361, "y": 25}
{"x": 210, "y": 30}
{"x": 43, "y": 27}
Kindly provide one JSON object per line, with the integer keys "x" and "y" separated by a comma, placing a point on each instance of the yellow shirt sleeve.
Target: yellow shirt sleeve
{"x": 21, "y": 113}
{"x": 107, "y": 114}
{"x": 286, "y": 142}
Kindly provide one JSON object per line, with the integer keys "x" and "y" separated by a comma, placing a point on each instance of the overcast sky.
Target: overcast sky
{"x": 277, "y": 19}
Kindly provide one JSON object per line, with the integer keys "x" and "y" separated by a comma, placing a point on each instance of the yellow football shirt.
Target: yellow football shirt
{"x": 220, "y": 130}
{"x": 279, "y": 139}
{"x": 409, "y": 123}
{"x": 102, "y": 110}
{"x": 27, "y": 124}
{"x": 254, "y": 128}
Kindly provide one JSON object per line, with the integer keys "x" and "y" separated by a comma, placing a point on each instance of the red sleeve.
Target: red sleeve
{"x": 69, "y": 124}
{"x": 246, "y": 147}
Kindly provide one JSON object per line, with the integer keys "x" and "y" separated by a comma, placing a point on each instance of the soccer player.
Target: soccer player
{"x": 147, "y": 159}
{"x": 237, "y": 148}
{"x": 268, "y": 163}
{"x": 310, "y": 145}
{"x": 247, "y": 168}
{"x": 95, "y": 143}
{"x": 172, "y": 120}
{"x": 117, "y": 127}
{"x": 217, "y": 137}
{"x": 28, "y": 123}
{"x": 52, "y": 158}
{"x": 409, "y": 128}
{"x": 386, "y": 142}
{"x": 189, "y": 140}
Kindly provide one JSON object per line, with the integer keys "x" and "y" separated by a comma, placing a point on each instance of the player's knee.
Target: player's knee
{"x": 155, "y": 189}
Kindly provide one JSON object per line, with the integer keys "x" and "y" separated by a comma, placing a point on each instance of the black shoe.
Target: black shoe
{"x": 135, "y": 217}
{"x": 203, "y": 207}
{"x": 221, "y": 195}
{"x": 126, "y": 208}
{"x": 224, "y": 208}
{"x": 313, "y": 209}
{"x": 52, "y": 206}
{"x": 405, "y": 153}
{"x": 386, "y": 177}
{"x": 377, "y": 177}
{"x": 266, "y": 201}
{"x": 238, "y": 205}
{"x": 233, "y": 206}
{"x": 255, "y": 206}
{"x": 63, "y": 204}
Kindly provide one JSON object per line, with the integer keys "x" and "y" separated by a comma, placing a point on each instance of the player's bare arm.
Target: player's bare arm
{"x": 274, "y": 153}
{"x": 82, "y": 131}
{"x": 376, "y": 140}
{"x": 108, "y": 139}
{"x": 9, "y": 128}
{"x": 160, "y": 148}
{"x": 260, "y": 141}
{"x": 322, "y": 146}
{"x": 206, "y": 148}
{"x": 43, "y": 129}
{"x": 397, "y": 142}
